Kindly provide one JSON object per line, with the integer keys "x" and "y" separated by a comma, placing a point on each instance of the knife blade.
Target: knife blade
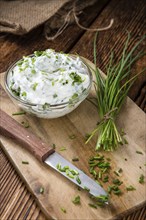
{"x": 11, "y": 128}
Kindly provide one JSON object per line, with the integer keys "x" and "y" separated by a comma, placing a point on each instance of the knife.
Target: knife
{"x": 11, "y": 128}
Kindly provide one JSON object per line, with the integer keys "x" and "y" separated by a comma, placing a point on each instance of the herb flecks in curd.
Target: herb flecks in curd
{"x": 49, "y": 77}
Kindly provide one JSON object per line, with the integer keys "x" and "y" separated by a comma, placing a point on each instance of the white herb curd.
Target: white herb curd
{"x": 48, "y": 78}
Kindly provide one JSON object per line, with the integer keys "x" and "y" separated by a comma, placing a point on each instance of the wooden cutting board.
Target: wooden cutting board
{"x": 58, "y": 191}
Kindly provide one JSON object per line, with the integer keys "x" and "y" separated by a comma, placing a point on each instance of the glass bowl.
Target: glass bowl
{"x": 50, "y": 111}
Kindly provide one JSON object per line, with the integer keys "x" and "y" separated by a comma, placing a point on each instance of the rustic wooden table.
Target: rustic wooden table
{"x": 16, "y": 201}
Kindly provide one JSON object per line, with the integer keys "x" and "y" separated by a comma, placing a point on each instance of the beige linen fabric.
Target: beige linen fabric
{"x": 21, "y": 16}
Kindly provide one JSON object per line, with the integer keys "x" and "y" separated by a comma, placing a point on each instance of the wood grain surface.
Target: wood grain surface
{"x": 128, "y": 15}
{"x": 15, "y": 201}
{"x": 36, "y": 175}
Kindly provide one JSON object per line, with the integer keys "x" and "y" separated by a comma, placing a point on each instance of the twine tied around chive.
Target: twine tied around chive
{"x": 104, "y": 119}
{"x": 107, "y": 116}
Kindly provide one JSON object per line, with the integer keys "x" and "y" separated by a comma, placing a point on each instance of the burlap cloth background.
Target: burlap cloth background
{"x": 21, "y": 16}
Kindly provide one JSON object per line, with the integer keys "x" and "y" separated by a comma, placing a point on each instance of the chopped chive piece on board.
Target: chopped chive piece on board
{"x": 78, "y": 180}
{"x": 141, "y": 179}
{"x": 58, "y": 166}
{"x": 63, "y": 210}
{"x": 70, "y": 175}
{"x": 130, "y": 188}
{"x": 19, "y": 113}
{"x": 117, "y": 182}
{"x": 87, "y": 189}
{"x": 74, "y": 172}
{"x": 62, "y": 149}
{"x": 53, "y": 146}
{"x": 105, "y": 179}
{"x": 139, "y": 152}
{"x": 25, "y": 162}
{"x": 25, "y": 124}
{"x": 92, "y": 205}
{"x": 41, "y": 190}
{"x": 116, "y": 172}
{"x": 75, "y": 159}
{"x": 72, "y": 136}
{"x": 76, "y": 200}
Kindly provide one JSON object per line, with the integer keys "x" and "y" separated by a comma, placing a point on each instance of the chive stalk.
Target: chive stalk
{"x": 111, "y": 93}
{"x": 76, "y": 200}
{"x": 19, "y": 113}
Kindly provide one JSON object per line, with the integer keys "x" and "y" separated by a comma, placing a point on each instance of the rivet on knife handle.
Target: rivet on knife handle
{"x": 10, "y": 127}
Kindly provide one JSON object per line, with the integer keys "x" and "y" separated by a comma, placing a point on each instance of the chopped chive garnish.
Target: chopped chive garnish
{"x": 25, "y": 124}
{"x": 115, "y": 189}
{"x": 72, "y": 136}
{"x": 74, "y": 172}
{"x": 78, "y": 180}
{"x": 79, "y": 189}
{"x": 125, "y": 141}
{"x": 102, "y": 198}
{"x": 105, "y": 179}
{"x": 103, "y": 164}
{"x": 98, "y": 182}
{"x": 25, "y": 162}
{"x": 62, "y": 149}
{"x": 117, "y": 192}
{"x": 120, "y": 170}
{"x": 66, "y": 167}
{"x": 87, "y": 189}
{"x": 41, "y": 190}
{"x": 53, "y": 146}
{"x": 34, "y": 86}
{"x": 33, "y": 71}
{"x": 130, "y": 188}
{"x": 63, "y": 210}
{"x": 108, "y": 159}
{"x": 24, "y": 94}
{"x": 109, "y": 189}
{"x": 92, "y": 205}
{"x": 123, "y": 132}
{"x": 87, "y": 136}
{"x": 74, "y": 96}
{"x": 117, "y": 173}
{"x": 100, "y": 175}
{"x": 139, "y": 152}
{"x": 19, "y": 113}
{"x": 58, "y": 166}
{"x": 76, "y": 200}
{"x": 70, "y": 175}
{"x": 75, "y": 159}
{"x": 94, "y": 173}
{"x": 55, "y": 95}
{"x": 117, "y": 182}
{"x": 98, "y": 157}
{"x": 104, "y": 170}
{"x": 141, "y": 179}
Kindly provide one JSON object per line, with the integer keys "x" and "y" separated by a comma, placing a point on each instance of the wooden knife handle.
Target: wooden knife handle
{"x": 11, "y": 128}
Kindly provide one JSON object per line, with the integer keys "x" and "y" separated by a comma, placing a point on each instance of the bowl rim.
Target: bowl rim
{"x": 49, "y": 105}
